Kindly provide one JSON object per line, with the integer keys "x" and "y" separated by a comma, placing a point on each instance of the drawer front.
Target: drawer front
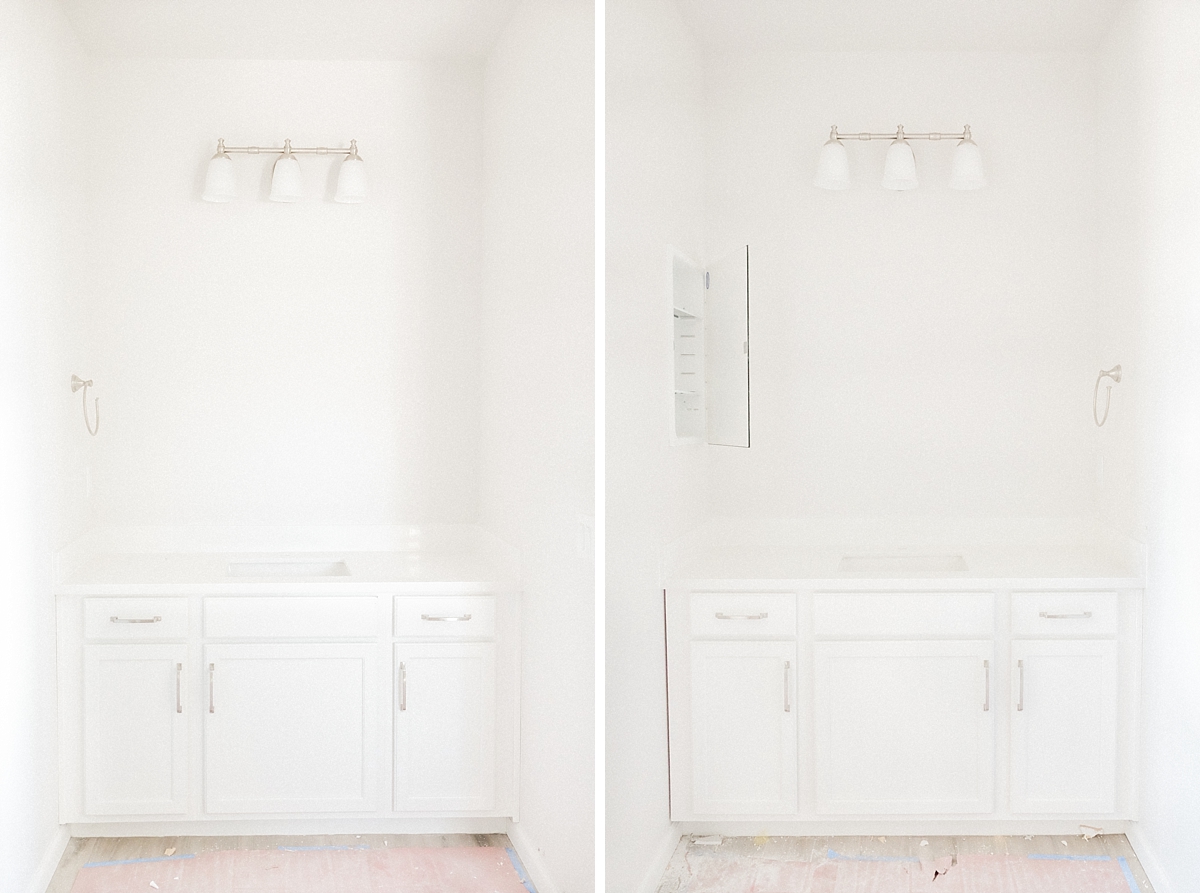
{"x": 743, "y": 615}
{"x": 1057, "y": 614}
{"x": 903, "y": 615}
{"x": 290, "y": 617}
{"x": 445, "y": 616}
{"x": 135, "y": 619}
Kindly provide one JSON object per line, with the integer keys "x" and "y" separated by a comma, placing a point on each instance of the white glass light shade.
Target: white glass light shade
{"x": 286, "y": 185}
{"x": 967, "y": 170}
{"x": 218, "y": 181}
{"x": 833, "y": 167}
{"x": 352, "y": 181}
{"x": 900, "y": 168}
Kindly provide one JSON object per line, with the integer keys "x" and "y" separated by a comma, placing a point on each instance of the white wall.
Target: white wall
{"x": 42, "y": 438}
{"x": 655, "y": 492}
{"x": 923, "y": 353}
{"x": 536, "y": 325}
{"x": 266, "y": 363}
{"x": 1151, "y": 95}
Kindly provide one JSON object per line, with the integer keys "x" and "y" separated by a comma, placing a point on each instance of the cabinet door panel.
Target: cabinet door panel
{"x": 1064, "y": 735}
{"x": 445, "y": 720}
{"x": 901, "y": 728}
{"x": 744, "y": 728}
{"x": 134, "y": 730}
{"x": 288, "y": 728}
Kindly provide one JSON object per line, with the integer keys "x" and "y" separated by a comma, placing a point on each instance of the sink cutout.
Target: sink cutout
{"x": 902, "y": 564}
{"x": 287, "y": 569}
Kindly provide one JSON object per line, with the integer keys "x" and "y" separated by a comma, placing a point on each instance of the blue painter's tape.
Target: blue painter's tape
{"x": 1056, "y": 857}
{"x": 133, "y": 861}
{"x": 1129, "y": 878}
{"x": 832, "y": 855}
{"x": 520, "y": 869}
{"x": 306, "y": 849}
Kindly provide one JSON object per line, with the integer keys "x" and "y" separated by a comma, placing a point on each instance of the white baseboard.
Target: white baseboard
{"x": 50, "y": 859}
{"x": 534, "y": 864}
{"x": 1150, "y": 863}
{"x": 662, "y": 857}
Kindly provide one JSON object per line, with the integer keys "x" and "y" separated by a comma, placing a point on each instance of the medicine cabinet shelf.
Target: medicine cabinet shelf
{"x": 710, "y": 311}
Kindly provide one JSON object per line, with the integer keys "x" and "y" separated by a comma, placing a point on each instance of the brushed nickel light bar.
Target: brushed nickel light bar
{"x": 900, "y": 167}
{"x": 286, "y": 181}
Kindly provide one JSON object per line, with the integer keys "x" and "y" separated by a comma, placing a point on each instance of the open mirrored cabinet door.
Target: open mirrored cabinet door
{"x": 727, "y": 349}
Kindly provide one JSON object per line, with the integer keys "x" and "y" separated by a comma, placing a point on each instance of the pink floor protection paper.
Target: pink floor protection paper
{"x": 314, "y": 870}
{"x": 968, "y": 874}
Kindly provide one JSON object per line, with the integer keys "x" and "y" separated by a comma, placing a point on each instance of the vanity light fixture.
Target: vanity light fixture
{"x": 900, "y": 166}
{"x": 286, "y": 181}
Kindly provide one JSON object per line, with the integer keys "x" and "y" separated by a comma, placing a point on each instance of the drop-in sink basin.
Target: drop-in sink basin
{"x": 901, "y": 564}
{"x": 287, "y": 568}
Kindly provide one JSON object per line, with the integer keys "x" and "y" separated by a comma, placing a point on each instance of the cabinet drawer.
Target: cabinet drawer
{"x": 445, "y": 616}
{"x": 133, "y": 619}
{"x": 1064, "y": 614}
{"x": 898, "y": 615}
{"x": 290, "y": 617}
{"x": 743, "y": 615}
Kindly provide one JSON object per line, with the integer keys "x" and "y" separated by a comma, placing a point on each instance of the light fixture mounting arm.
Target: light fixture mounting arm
{"x": 286, "y": 149}
{"x": 900, "y": 134}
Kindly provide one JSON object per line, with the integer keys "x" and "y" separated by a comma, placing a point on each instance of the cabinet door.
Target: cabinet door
{"x": 134, "y": 730}
{"x": 744, "y": 728}
{"x": 445, "y": 706}
{"x": 904, "y": 728}
{"x": 727, "y": 350}
{"x": 288, "y": 728}
{"x": 1064, "y": 726}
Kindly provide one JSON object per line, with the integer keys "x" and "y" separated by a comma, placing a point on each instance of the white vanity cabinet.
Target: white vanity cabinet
{"x": 872, "y": 701}
{"x": 378, "y": 701}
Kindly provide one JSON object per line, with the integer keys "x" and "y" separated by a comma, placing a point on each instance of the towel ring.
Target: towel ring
{"x": 76, "y": 384}
{"x": 1115, "y": 374}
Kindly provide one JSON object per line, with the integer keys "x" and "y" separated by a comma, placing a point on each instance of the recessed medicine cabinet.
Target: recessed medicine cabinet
{"x": 711, "y": 316}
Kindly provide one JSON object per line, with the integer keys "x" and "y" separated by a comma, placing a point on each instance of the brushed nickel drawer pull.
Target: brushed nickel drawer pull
{"x": 178, "y": 688}
{"x": 723, "y": 616}
{"x": 449, "y": 618}
{"x": 212, "y": 671}
{"x": 1085, "y": 615}
{"x": 115, "y": 619}
{"x": 987, "y": 686}
{"x": 403, "y": 687}
{"x": 1021, "y": 690}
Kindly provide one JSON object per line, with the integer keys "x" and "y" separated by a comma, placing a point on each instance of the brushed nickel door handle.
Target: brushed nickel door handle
{"x": 403, "y": 687}
{"x": 212, "y": 671}
{"x": 987, "y": 686}
{"x": 1083, "y": 615}
{"x": 1021, "y": 685}
{"x": 178, "y": 688}
{"x": 787, "y": 686}
{"x": 449, "y": 618}
{"x": 115, "y": 619}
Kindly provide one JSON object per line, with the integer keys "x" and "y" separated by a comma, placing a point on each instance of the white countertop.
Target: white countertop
{"x": 376, "y": 560}
{"x": 839, "y": 553}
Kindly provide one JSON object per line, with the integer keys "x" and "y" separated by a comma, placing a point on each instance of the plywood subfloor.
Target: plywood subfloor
{"x": 692, "y": 857}
{"x": 82, "y": 850}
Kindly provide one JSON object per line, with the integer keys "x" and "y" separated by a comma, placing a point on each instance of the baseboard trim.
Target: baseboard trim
{"x": 661, "y": 859}
{"x": 1150, "y": 864}
{"x": 50, "y": 859}
{"x": 535, "y": 865}
{"x": 259, "y": 827}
